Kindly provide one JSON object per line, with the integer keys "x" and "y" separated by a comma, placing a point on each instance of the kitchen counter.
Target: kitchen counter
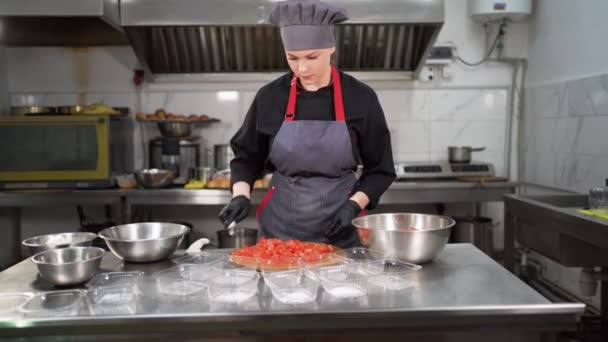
{"x": 411, "y": 192}
{"x": 398, "y": 193}
{"x": 462, "y": 295}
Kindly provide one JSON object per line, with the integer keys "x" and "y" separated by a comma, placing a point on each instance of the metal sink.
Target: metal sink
{"x": 562, "y": 201}
{"x": 551, "y": 225}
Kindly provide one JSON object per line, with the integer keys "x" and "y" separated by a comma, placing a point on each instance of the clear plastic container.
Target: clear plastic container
{"x": 392, "y": 274}
{"x": 113, "y": 300}
{"x": 281, "y": 264}
{"x": 232, "y": 283}
{"x": 197, "y": 272}
{"x": 54, "y": 304}
{"x": 240, "y": 262}
{"x": 295, "y": 286}
{"x": 203, "y": 257}
{"x": 343, "y": 281}
{"x": 358, "y": 257}
{"x": 171, "y": 282}
{"x": 10, "y": 303}
{"x": 358, "y": 254}
{"x": 115, "y": 279}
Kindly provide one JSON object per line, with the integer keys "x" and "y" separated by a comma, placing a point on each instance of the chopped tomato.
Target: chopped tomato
{"x": 273, "y": 249}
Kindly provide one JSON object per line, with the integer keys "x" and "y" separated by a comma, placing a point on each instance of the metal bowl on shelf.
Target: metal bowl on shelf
{"x": 41, "y": 243}
{"x": 175, "y": 129}
{"x": 69, "y": 266}
{"x": 144, "y": 242}
{"x": 415, "y": 238}
{"x": 154, "y": 178}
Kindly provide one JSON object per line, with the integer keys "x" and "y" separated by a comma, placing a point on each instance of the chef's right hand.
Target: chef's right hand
{"x": 236, "y": 210}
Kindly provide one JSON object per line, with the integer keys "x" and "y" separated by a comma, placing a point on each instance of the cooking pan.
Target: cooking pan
{"x": 70, "y": 110}
{"x": 462, "y": 154}
{"x": 32, "y": 110}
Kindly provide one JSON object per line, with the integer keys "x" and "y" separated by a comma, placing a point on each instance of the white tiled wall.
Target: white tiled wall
{"x": 424, "y": 122}
{"x": 565, "y": 140}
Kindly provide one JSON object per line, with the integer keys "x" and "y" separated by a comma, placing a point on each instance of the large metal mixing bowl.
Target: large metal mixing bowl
{"x": 144, "y": 242}
{"x": 391, "y": 234}
{"x": 41, "y": 243}
{"x": 68, "y": 266}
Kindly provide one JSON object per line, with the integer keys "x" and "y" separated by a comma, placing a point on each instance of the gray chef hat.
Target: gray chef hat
{"x": 306, "y": 24}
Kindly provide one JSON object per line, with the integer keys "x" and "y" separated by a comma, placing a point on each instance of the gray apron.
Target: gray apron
{"x": 313, "y": 175}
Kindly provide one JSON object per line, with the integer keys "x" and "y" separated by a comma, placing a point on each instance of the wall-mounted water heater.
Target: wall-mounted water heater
{"x": 490, "y": 10}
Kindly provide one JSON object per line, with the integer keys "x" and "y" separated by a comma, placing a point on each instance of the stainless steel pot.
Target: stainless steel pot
{"x": 391, "y": 234}
{"x": 475, "y": 230}
{"x": 462, "y": 154}
{"x": 223, "y": 155}
{"x": 241, "y": 237}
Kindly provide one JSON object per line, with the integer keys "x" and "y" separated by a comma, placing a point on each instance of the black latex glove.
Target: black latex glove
{"x": 236, "y": 210}
{"x": 343, "y": 218}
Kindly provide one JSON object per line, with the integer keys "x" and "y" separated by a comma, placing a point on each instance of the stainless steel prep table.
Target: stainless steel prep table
{"x": 463, "y": 294}
{"x": 398, "y": 193}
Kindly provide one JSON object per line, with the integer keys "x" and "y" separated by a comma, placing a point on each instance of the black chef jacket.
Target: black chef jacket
{"x": 369, "y": 133}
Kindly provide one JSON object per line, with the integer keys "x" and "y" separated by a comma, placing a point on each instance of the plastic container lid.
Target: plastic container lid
{"x": 10, "y": 303}
{"x": 115, "y": 279}
{"x": 54, "y": 304}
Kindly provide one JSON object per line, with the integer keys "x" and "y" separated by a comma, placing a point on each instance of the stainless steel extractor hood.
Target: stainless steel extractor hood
{"x": 223, "y": 36}
{"x": 60, "y": 23}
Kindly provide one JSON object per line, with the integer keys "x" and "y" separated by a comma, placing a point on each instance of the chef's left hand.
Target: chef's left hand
{"x": 343, "y": 218}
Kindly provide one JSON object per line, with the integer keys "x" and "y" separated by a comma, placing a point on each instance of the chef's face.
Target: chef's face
{"x": 310, "y": 66}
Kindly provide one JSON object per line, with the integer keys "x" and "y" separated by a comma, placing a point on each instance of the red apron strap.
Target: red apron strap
{"x": 338, "y": 100}
{"x": 291, "y": 103}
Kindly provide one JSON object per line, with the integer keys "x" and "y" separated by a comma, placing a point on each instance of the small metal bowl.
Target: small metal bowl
{"x": 69, "y": 266}
{"x": 391, "y": 234}
{"x": 175, "y": 129}
{"x": 144, "y": 242}
{"x": 41, "y": 243}
{"x": 154, "y": 178}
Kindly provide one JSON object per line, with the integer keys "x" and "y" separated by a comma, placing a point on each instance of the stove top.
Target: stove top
{"x": 442, "y": 170}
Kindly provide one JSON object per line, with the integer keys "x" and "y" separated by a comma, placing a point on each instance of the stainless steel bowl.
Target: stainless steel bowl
{"x": 175, "y": 129}
{"x": 144, "y": 242}
{"x": 41, "y": 243}
{"x": 389, "y": 234}
{"x": 69, "y": 266}
{"x": 154, "y": 178}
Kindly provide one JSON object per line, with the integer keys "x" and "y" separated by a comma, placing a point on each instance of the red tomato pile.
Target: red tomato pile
{"x": 275, "y": 249}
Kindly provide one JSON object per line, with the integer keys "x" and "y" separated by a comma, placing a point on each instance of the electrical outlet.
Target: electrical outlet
{"x": 427, "y": 74}
{"x": 440, "y": 54}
